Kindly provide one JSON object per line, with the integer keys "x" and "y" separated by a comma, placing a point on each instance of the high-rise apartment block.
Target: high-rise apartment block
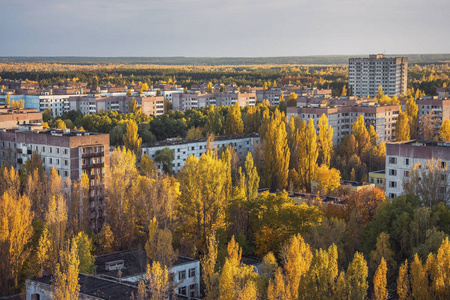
{"x": 365, "y": 75}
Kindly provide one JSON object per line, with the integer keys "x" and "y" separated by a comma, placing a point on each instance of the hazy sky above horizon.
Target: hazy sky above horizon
{"x": 218, "y": 28}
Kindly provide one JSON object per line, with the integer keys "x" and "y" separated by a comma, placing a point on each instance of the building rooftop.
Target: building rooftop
{"x": 134, "y": 262}
{"x": 100, "y": 287}
{"x": 204, "y": 139}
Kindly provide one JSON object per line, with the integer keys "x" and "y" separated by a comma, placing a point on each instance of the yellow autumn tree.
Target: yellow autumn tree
{"x": 234, "y": 123}
{"x": 65, "y": 285}
{"x": 380, "y": 281}
{"x": 357, "y": 273}
{"x": 131, "y": 138}
{"x": 201, "y": 207}
{"x": 276, "y": 151}
{"x": 15, "y": 233}
{"x": 403, "y": 288}
{"x": 158, "y": 281}
{"x": 325, "y": 140}
{"x": 444, "y": 132}
{"x": 328, "y": 179}
{"x": 120, "y": 210}
{"x": 296, "y": 256}
{"x": 402, "y": 131}
{"x": 412, "y": 110}
{"x": 419, "y": 282}
{"x": 208, "y": 263}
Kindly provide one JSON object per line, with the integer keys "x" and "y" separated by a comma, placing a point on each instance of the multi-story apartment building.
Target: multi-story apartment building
{"x": 11, "y": 118}
{"x": 184, "y": 272}
{"x": 184, "y": 148}
{"x": 153, "y": 105}
{"x": 365, "y": 75}
{"x": 402, "y": 156}
{"x": 195, "y": 100}
{"x": 438, "y": 107}
{"x": 341, "y": 117}
{"x": 56, "y": 103}
{"x": 273, "y": 95}
{"x": 70, "y": 152}
{"x": 443, "y": 93}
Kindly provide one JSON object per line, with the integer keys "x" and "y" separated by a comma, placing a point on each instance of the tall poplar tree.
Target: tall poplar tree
{"x": 325, "y": 140}
{"x": 402, "y": 131}
{"x": 131, "y": 139}
{"x": 65, "y": 284}
{"x": 380, "y": 281}
{"x": 444, "y": 132}
{"x": 312, "y": 152}
{"x": 276, "y": 152}
{"x": 412, "y": 110}
{"x": 357, "y": 277}
{"x": 234, "y": 123}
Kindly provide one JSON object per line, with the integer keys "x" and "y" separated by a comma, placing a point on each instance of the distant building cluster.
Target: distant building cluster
{"x": 342, "y": 113}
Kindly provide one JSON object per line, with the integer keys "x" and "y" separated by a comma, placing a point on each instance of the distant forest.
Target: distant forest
{"x": 213, "y": 61}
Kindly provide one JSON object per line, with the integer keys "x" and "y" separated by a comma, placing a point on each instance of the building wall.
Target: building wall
{"x": 367, "y": 74}
{"x": 401, "y": 157}
{"x": 44, "y": 291}
{"x": 242, "y": 144}
{"x": 16, "y": 117}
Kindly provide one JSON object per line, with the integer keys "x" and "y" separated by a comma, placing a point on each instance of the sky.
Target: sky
{"x": 222, "y": 28}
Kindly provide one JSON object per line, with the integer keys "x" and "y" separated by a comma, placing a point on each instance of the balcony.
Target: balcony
{"x": 91, "y": 166}
{"x": 92, "y": 154}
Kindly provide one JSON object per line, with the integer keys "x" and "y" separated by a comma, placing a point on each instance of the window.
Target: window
{"x": 50, "y": 160}
{"x": 182, "y": 290}
{"x": 391, "y": 195}
{"x": 379, "y": 181}
{"x": 182, "y": 275}
{"x": 393, "y": 160}
{"x": 43, "y": 149}
{"x": 392, "y": 184}
{"x": 35, "y": 297}
{"x": 50, "y": 149}
{"x": 192, "y": 148}
{"x": 65, "y": 151}
{"x": 406, "y": 173}
{"x": 57, "y": 150}
{"x": 191, "y": 272}
{"x": 66, "y": 173}
{"x": 407, "y": 161}
{"x": 392, "y": 172}
{"x": 192, "y": 290}
{"x": 443, "y": 165}
{"x": 66, "y": 162}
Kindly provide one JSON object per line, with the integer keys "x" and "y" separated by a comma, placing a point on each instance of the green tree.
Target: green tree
{"x": 165, "y": 156}
{"x": 215, "y": 121}
{"x": 85, "y": 257}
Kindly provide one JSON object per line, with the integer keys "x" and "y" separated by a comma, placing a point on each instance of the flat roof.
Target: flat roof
{"x": 203, "y": 139}
{"x": 135, "y": 262}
